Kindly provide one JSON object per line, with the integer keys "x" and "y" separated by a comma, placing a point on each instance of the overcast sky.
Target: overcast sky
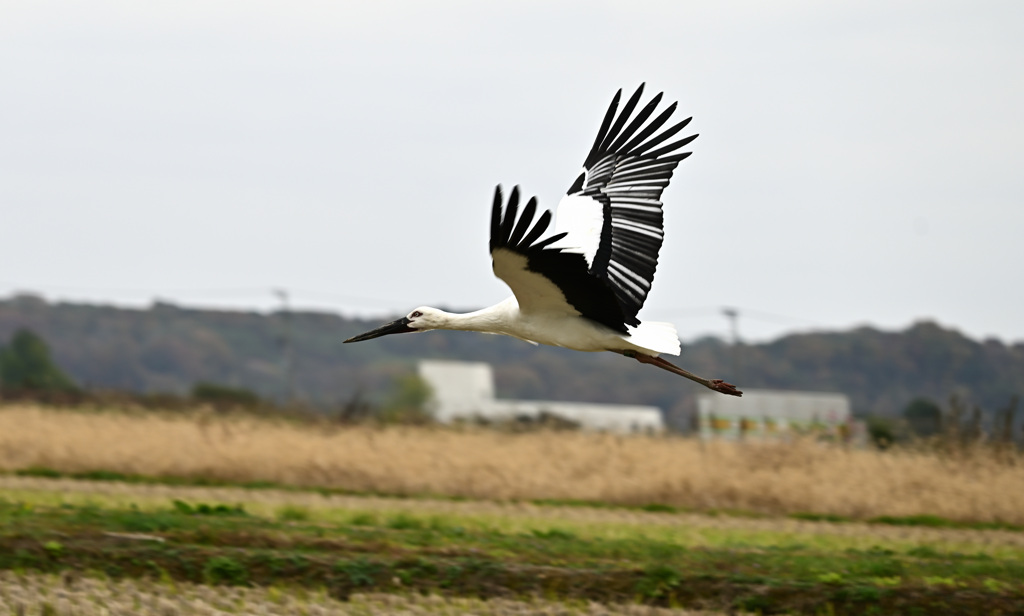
{"x": 859, "y": 163}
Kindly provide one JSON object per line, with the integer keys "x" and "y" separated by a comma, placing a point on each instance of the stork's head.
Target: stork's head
{"x": 419, "y": 320}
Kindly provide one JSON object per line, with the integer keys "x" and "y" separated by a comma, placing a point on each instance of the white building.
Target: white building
{"x": 466, "y": 390}
{"x": 768, "y": 414}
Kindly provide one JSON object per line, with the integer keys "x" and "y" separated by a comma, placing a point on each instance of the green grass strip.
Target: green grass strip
{"x": 924, "y": 520}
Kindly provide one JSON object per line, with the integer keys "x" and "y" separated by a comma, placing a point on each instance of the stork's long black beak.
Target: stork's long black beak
{"x": 401, "y": 326}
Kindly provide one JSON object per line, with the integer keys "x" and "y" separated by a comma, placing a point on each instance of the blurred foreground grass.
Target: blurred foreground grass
{"x": 32, "y": 593}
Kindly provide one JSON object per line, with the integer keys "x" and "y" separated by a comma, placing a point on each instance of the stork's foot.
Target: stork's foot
{"x": 724, "y": 388}
{"x": 714, "y": 384}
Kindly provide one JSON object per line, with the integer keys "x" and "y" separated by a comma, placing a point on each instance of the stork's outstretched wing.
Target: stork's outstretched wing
{"x": 611, "y": 216}
{"x": 545, "y": 279}
{"x": 601, "y": 261}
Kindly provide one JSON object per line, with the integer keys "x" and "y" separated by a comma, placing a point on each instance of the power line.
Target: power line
{"x": 222, "y": 291}
{"x": 772, "y": 317}
{"x": 733, "y": 315}
{"x": 757, "y": 315}
{"x": 286, "y": 347}
{"x": 137, "y": 290}
{"x": 386, "y": 303}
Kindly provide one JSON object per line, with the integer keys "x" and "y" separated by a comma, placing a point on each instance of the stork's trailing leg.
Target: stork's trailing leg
{"x": 716, "y": 384}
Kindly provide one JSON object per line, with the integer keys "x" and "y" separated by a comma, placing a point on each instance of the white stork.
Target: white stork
{"x": 582, "y": 287}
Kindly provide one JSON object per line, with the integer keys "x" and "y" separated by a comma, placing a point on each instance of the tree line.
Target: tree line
{"x": 169, "y": 349}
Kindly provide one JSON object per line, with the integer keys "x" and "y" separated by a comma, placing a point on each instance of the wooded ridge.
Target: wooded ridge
{"x": 167, "y": 348}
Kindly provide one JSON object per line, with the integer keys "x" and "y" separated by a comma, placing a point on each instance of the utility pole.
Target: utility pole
{"x": 733, "y": 314}
{"x": 286, "y": 347}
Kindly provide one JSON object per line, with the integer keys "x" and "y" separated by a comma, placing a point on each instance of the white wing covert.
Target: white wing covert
{"x": 545, "y": 279}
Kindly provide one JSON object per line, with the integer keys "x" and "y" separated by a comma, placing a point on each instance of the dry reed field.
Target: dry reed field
{"x": 73, "y": 595}
{"x": 773, "y": 478}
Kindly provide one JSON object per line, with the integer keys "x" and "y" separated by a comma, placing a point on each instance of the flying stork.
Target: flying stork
{"x": 581, "y": 288}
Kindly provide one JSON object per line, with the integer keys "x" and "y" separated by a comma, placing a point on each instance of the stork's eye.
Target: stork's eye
{"x": 416, "y": 314}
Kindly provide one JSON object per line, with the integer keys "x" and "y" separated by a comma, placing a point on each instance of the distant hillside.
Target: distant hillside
{"x": 169, "y": 348}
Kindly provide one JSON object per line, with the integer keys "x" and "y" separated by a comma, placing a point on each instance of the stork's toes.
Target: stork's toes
{"x": 725, "y": 388}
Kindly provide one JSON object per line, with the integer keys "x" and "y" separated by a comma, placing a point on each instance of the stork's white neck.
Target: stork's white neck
{"x": 494, "y": 319}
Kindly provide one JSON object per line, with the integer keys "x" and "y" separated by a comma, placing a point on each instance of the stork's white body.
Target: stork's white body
{"x": 582, "y": 287}
{"x": 561, "y": 330}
